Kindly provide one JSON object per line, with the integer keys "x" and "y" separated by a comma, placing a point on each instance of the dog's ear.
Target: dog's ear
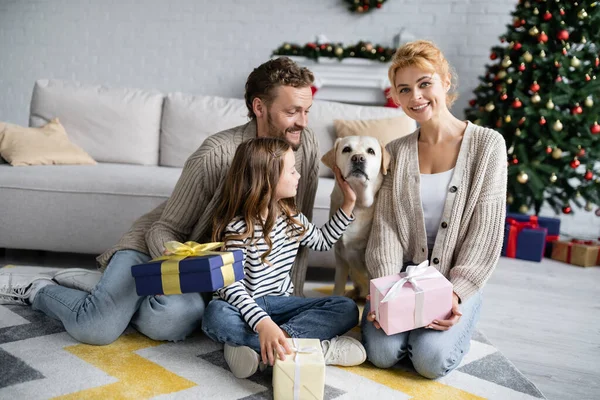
{"x": 329, "y": 157}
{"x": 385, "y": 159}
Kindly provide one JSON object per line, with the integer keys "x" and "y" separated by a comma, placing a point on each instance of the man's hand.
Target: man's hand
{"x": 272, "y": 339}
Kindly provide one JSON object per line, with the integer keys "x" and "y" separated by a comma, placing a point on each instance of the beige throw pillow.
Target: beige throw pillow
{"x": 385, "y": 130}
{"x": 40, "y": 146}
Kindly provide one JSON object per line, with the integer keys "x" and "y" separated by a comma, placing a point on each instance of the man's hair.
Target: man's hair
{"x": 267, "y": 77}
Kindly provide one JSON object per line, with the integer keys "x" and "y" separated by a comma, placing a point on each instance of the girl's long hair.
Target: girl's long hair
{"x": 250, "y": 188}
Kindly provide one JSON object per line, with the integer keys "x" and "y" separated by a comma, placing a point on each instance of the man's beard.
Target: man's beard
{"x": 276, "y": 132}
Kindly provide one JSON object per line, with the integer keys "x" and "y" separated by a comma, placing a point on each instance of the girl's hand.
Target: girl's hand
{"x": 445, "y": 324}
{"x": 349, "y": 195}
{"x": 371, "y": 316}
{"x": 272, "y": 339}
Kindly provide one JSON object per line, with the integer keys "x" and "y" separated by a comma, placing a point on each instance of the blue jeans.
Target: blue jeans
{"x": 433, "y": 353}
{"x": 101, "y": 317}
{"x": 316, "y": 318}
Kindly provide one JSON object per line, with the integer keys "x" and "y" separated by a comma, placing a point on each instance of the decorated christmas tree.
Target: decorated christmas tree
{"x": 542, "y": 92}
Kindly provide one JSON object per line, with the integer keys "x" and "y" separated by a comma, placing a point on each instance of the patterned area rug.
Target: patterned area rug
{"x": 39, "y": 360}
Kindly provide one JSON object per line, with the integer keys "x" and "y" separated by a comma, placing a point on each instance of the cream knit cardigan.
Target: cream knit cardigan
{"x": 469, "y": 240}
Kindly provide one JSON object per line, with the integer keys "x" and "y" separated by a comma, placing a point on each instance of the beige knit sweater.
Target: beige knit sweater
{"x": 188, "y": 213}
{"x": 469, "y": 239}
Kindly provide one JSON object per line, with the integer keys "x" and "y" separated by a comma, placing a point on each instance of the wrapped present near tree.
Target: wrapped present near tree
{"x": 525, "y": 240}
{"x": 302, "y": 374}
{"x": 190, "y": 267}
{"x": 584, "y": 253}
{"x": 411, "y": 299}
{"x": 552, "y": 226}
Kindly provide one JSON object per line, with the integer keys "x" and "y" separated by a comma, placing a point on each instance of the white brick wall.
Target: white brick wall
{"x": 210, "y": 46}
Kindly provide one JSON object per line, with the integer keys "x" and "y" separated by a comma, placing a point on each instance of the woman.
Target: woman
{"x": 444, "y": 200}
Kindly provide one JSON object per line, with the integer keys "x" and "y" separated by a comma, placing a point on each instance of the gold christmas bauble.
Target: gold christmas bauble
{"x": 510, "y": 199}
{"x": 489, "y": 107}
{"x": 534, "y": 31}
{"x": 556, "y": 153}
{"x": 553, "y": 177}
{"x": 501, "y": 74}
{"x": 583, "y": 40}
{"x": 338, "y": 51}
{"x": 287, "y": 46}
{"x": 506, "y": 62}
{"x": 588, "y": 102}
{"x": 507, "y": 119}
{"x": 550, "y": 105}
{"x": 527, "y": 56}
{"x": 582, "y": 14}
{"x": 522, "y": 178}
{"x": 477, "y": 122}
{"x": 509, "y": 81}
{"x": 536, "y": 11}
{"x": 542, "y": 54}
{"x": 518, "y": 132}
{"x": 558, "y": 126}
{"x": 589, "y": 206}
{"x": 536, "y": 98}
{"x": 523, "y": 209}
{"x": 575, "y": 62}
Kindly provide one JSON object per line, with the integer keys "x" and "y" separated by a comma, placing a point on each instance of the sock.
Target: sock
{"x": 36, "y": 286}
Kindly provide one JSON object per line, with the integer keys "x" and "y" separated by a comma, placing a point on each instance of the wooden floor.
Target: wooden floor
{"x": 545, "y": 317}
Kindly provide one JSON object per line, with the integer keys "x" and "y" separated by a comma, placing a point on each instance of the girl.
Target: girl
{"x": 258, "y": 215}
{"x": 443, "y": 200}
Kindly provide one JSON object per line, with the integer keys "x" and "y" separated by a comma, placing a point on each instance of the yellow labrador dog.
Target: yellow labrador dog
{"x": 363, "y": 162}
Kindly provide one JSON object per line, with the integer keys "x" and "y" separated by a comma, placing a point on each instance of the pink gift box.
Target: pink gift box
{"x": 424, "y": 296}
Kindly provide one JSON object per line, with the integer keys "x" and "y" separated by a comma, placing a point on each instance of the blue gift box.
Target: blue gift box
{"x": 192, "y": 274}
{"x": 552, "y": 225}
{"x": 530, "y": 243}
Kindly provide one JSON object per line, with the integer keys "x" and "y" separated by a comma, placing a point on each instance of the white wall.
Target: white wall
{"x": 209, "y": 47}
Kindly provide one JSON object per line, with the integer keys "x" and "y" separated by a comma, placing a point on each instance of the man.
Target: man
{"x": 278, "y": 97}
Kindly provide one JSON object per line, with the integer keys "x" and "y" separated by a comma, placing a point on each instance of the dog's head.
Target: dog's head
{"x": 359, "y": 158}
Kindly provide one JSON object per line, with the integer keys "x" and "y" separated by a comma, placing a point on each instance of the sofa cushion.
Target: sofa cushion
{"x": 77, "y": 209}
{"x": 323, "y": 113}
{"x": 112, "y": 125}
{"x": 187, "y": 120}
{"x": 385, "y": 130}
{"x": 47, "y": 145}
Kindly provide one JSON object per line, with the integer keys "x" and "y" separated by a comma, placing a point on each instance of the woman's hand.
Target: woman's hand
{"x": 445, "y": 324}
{"x": 371, "y": 316}
{"x": 349, "y": 195}
{"x": 272, "y": 339}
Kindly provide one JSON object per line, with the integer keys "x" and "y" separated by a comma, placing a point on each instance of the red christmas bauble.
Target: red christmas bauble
{"x": 517, "y": 103}
{"x": 472, "y": 102}
{"x": 311, "y": 45}
{"x": 517, "y": 46}
{"x": 515, "y": 161}
{"x": 522, "y": 121}
{"x": 595, "y": 129}
{"x": 581, "y": 153}
{"x": 597, "y": 61}
{"x": 548, "y": 150}
{"x": 562, "y": 11}
{"x": 566, "y": 210}
{"x": 378, "y": 5}
{"x": 542, "y": 38}
{"x": 534, "y": 87}
{"x": 588, "y": 175}
{"x": 564, "y": 51}
{"x": 575, "y": 163}
{"x": 366, "y": 8}
{"x": 522, "y": 67}
{"x": 542, "y": 121}
{"x": 323, "y": 46}
{"x": 577, "y": 110}
{"x": 518, "y": 23}
{"x": 547, "y": 16}
{"x": 503, "y": 96}
{"x": 558, "y": 79}
{"x": 587, "y": 78}
{"x": 562, "y": 35}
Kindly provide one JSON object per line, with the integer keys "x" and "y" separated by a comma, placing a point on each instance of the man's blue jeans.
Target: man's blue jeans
{"x": 316, "y": 318}
{"x": 102, "y": 316}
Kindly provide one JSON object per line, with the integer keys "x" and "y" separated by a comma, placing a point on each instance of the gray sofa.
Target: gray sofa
{"x": 141, "y": 140}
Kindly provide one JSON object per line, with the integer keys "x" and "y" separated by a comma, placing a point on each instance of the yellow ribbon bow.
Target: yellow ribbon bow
{"x": 169, "y": 268}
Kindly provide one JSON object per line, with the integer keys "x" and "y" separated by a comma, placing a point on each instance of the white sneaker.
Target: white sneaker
{"x": 344, "y": 351}
{"x": 78, "y": 278}
{"x": 242, "y": 360}
{"x": 16, "y": 282}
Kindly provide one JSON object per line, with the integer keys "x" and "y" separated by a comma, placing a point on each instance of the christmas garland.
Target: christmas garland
{"x": 363, "y": 6}
{"x": 313, "y": 51}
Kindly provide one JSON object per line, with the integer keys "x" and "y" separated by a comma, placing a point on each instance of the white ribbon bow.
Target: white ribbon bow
{"x": 413, "y": 274}
{"x": 299, "y": 350}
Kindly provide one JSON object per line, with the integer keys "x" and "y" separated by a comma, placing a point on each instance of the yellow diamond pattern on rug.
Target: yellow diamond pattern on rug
{"x": 138, "y": 377}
